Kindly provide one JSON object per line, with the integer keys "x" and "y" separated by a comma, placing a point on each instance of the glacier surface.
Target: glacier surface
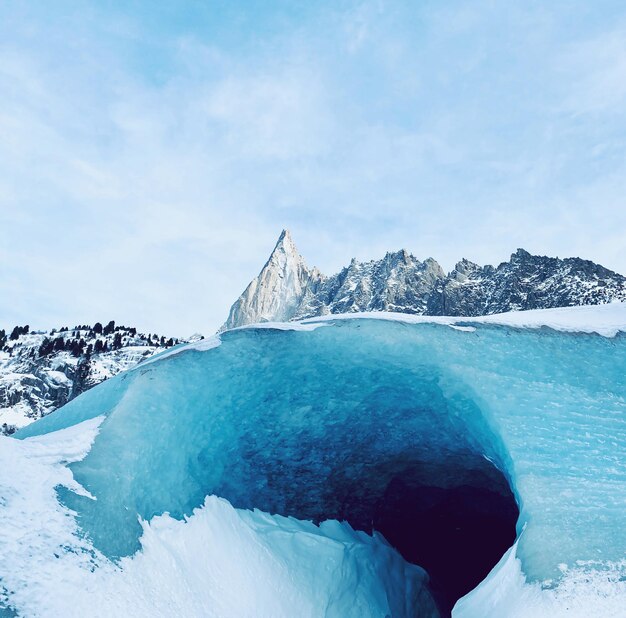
{"x": 456, "y": 443}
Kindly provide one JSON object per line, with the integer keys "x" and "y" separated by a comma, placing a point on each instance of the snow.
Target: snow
{"x": 580, "y": 594}
{"x": 16, "y": 416}
{"x": 212, "y": 342}
{"x": 606, "y": 320}
{"x": 295, "y": 326}
{"x": 39, "y": 541}
{"x": 200, "y": 346}
{"x": 59, "y": 377}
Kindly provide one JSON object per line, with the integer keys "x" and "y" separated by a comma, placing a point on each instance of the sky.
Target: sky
{"x": 152, "y": 152}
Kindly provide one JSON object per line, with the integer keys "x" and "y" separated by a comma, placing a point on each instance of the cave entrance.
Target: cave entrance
{"x": 400, "y": 457}
{"x": 454, "y": 515}
{"x": 457, "y": 533}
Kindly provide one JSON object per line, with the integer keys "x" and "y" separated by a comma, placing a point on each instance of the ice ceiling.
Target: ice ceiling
{"x": 448, "y": 442}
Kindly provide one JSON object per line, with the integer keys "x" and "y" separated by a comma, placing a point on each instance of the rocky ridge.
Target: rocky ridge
{"x": 287, "y": 289}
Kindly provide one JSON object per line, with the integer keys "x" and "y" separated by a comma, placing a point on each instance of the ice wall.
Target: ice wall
{"x": 286, "y": 420}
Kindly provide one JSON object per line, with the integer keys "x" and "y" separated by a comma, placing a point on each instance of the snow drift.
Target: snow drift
{"x": 455, "y": 443}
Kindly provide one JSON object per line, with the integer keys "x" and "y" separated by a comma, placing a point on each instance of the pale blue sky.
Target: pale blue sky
{"x": 151, "y": 152}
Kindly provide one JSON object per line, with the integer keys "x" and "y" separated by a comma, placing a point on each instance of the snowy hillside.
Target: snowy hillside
{"x": 287, "y": 289}
{"x": 41, "y": 371}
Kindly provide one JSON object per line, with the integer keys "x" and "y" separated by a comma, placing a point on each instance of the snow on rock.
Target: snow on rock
{"x": 41, "y": 371}
{"x": 286, "y": 289}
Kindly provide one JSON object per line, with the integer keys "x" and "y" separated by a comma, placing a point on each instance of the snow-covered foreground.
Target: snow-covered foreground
{"x": 323, "y": 423}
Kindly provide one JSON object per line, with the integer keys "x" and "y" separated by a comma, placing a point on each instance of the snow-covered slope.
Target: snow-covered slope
{"x": 287, "y": 289}
{"x": 41, "y": 371}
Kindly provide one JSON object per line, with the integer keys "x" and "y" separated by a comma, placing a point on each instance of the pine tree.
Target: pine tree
{"x": 82, "y": 373}
{"x": 77, "y": 347}
{"x": 46, "y": 347}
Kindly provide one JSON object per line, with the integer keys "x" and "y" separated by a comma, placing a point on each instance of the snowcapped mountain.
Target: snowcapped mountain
{"x": 287, "y": 289}
{"x": 40, "y": 371}
{"x": 525, "y": 282}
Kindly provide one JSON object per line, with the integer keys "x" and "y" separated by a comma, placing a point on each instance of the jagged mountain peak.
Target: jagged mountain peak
{"x": 285, "y": 254}
{"x": 463, "y": 269}
{"x": 522, "y": 254}
{"x": 284, "y": 246}
{"x": 287, "y": 289}
{"x": 286, "y": 258}
{"x": 278, "y": 290}
{"x": 285, "y": 237}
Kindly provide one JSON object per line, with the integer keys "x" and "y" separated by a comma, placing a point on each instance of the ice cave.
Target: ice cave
{"x": 345, "y": 467}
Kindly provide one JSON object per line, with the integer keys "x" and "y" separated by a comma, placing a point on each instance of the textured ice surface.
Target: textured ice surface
{"x": 290, "y": 421}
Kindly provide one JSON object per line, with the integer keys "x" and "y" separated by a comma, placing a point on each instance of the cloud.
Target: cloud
{"x": 594, "y": 71}
{"x": 149, "y": 162}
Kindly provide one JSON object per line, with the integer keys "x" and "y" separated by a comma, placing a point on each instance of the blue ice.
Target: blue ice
{"x": 319, "y": 423}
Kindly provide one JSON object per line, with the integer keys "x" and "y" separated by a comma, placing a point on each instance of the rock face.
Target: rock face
{"x": 398, "y": 282}
{"x": 42, "y": 371}
{"x": 279, "y": 290}
{"x": 525, "y": 282}
{"x": 286, "y": 289}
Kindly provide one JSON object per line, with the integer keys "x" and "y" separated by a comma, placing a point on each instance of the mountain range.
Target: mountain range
{"x": 287, "y": 289}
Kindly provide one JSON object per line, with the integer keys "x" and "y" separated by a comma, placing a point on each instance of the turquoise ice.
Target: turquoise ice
{"x": 343, "y": 420}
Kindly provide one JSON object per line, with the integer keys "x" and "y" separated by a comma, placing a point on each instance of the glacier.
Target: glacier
{"x": 361, "y": 465}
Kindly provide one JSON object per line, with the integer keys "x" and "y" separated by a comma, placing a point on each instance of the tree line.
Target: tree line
{"x": 77, "y": 343}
